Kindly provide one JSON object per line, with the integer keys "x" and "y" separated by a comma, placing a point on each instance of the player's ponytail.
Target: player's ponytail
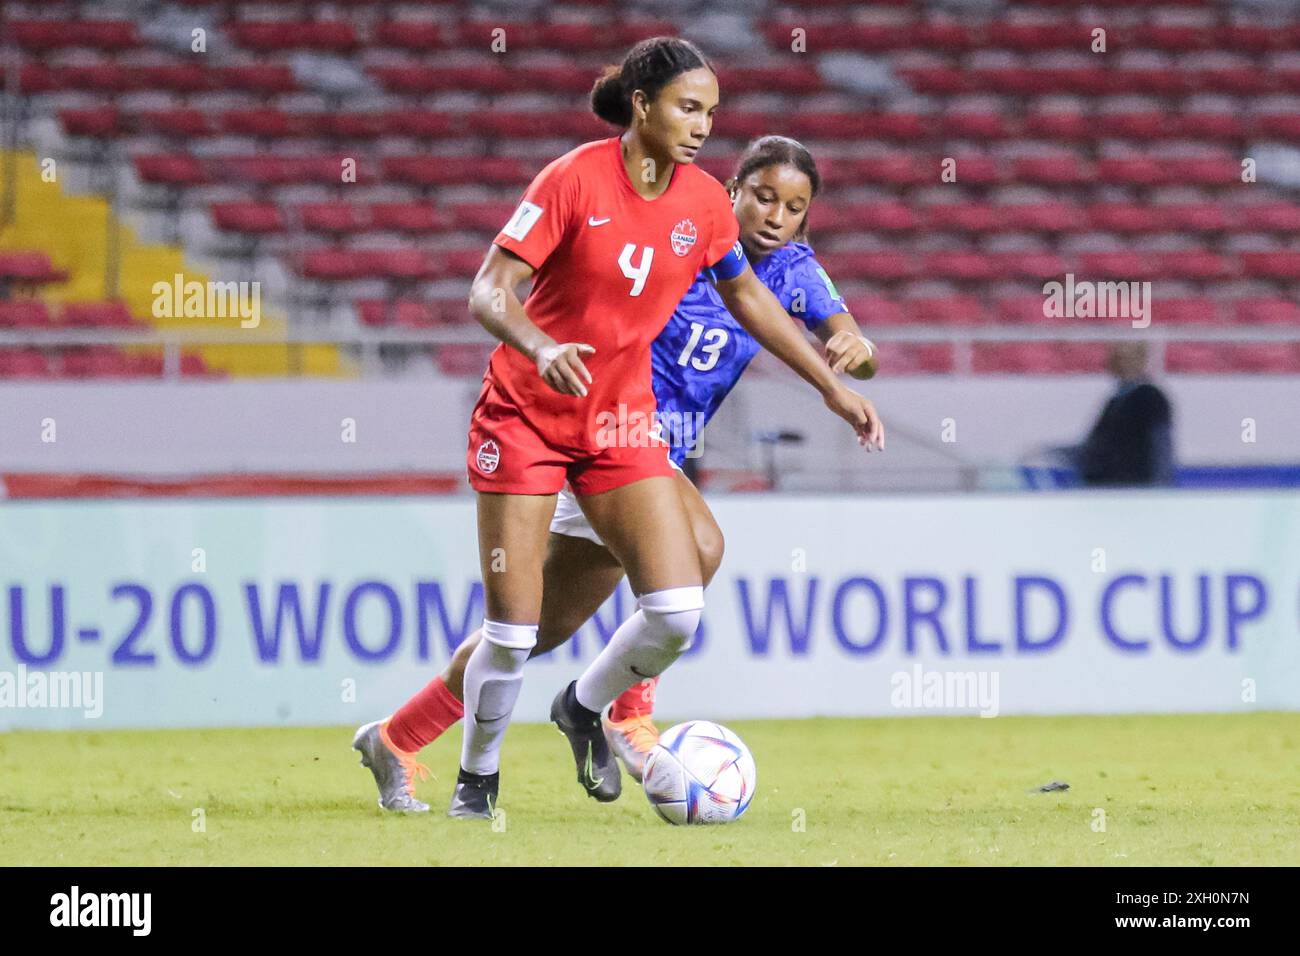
{"x": 649, "y": 66}
{"x": 779, "y": 151}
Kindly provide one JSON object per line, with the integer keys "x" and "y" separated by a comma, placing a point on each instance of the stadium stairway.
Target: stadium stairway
{"x": 74, "y": 230}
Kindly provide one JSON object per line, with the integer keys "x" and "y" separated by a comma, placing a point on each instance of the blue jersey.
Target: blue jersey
{"x": 702, "y": 352}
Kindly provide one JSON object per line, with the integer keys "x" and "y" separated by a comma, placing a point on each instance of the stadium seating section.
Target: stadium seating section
{"x": 382, "y": 195}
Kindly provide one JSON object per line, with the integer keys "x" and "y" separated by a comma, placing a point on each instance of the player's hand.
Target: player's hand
{"x": 861, "y": 414}
{"x": 560, "y": 366}
{"x": 852, "y": 353}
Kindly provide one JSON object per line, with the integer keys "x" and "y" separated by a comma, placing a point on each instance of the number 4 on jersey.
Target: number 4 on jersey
{"x": 638, "y": 274}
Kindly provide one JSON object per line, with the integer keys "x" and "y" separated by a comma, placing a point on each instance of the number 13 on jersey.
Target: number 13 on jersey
{"x": 714, "y": 341}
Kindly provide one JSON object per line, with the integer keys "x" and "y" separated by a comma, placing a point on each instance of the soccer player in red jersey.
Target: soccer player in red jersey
{"x": 613, "y": 234}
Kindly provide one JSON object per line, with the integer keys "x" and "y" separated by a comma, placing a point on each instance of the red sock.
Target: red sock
{"x": 423, "y": 718}
{"x": 637, "y": 701}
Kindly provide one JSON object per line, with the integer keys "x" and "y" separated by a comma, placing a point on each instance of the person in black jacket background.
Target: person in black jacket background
{"x": 1132, "y": 440}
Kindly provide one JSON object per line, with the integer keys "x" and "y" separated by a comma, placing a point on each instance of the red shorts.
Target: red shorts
{"x": 509, "y": 456}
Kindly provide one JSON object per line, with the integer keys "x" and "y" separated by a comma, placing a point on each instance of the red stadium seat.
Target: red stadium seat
{"x": 1063, "y": 170}
{"x": 1192, "y": 357}
{"x": 972, "y": 125}
{"x": 348, "y": 125}
{"x": 31, "y": 268}
{"x": 946, "y": 310}
{"x": 1024, "y": 310}
{"x": 1239, "y": 81}
{"x": 402, "y": 264}
{"x": 876, "y": 266}
{"x": 462, "y": 359}
{"x": 422, "y": 124}
{"x": 24, "y": 314}
{"x": 1272, "y": 216}
{"x": 183, "y": 78}
{"x": 96, "y": 123}
{"x": 1188, "y": 311}
{"x": 873, "y": 311}
{"x": 910, "y": 358}
{"x": 331, "y": 265}
{"x": 487, "y": 78}
{"x": 108, "y": 315}
{"x": 962, "y": 217}
{"x": 1041, "y": 217}
{"x": 874, "y": 217}
{"x": 180, "y": 123}
{"x": 1271, "y": 265}
{"x": 175, "y": 169}
{"x": 1029, "y": 265}
{"x": 454, "y": 170}
{"x": 60, "y": 34}
{"x": 264, "y": 78}
{"x": 332, "y": 217}
{"x": 463, "y": 262}
{"x": 98, "y": 78}
{"x": 257, "y": 218}
{"x": 342, "y": 265}
{"x": 24, "y": 363}
{"x": 1152, "y": 124}
{"x": 958, "y": 266}
{"x": 1038, "y": 358}
{"x": 265, "y": 123}
{"x": 335, "y": 36}
{"x": 406, "y": 217}
{"x": 1176, "y": 38}
{"x": 417, "y": 35}
{"x": 1198, "y": 265}
{"x": 794, "y": 78}
{"x": 407, "y": 313}
{"x": 1211, "y": 126}
{"x": 1197, "y": 217}
{"x": 96, "y": 361}
{"x": 1126, "y": 217}
{"x": 1267, "y": 312}
{"x": 898, "y": 169}
{"x": 1125, "y": 266}
{"x": 1061, "y": 126}
{"x": 484, "y": 217}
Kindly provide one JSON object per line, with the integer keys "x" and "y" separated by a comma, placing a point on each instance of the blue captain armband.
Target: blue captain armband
{"x": 730, "y": 265}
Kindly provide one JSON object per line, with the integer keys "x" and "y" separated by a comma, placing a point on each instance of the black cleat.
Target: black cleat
{"x": 475, "y": 795}
{"x": 597, "y": 769}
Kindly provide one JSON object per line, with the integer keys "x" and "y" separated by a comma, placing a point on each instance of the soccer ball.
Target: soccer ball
{"x": 700, "y": 772}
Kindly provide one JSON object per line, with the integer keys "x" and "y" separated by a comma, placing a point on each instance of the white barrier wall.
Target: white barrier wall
{"x": 332, "y": 611}
{"x": 248, "y": 425}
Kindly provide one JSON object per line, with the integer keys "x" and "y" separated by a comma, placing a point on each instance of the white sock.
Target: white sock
{"x": 643, "y": 646}
{"x": 493, "y": 676}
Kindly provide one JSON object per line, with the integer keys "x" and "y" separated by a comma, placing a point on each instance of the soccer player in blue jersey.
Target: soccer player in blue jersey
{"x": 697, "y": 360}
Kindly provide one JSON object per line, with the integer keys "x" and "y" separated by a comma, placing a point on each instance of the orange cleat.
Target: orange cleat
{"x": 631, "y": 740}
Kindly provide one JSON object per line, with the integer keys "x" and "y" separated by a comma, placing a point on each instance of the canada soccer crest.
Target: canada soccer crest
{"x": 488, "y": 457}
{"x": 683, "y": 237}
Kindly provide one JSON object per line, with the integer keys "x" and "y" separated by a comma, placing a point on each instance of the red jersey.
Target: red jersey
{"x": 611, "y": 268}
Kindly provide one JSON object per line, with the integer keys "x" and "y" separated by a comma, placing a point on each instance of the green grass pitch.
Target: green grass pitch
{"x": 1174, "y": 790}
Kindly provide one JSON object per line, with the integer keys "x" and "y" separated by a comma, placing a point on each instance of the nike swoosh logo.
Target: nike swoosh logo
{"x": 593, "y": 221}
{"x": 633, "y": 669}
{"x": 592, "y": 780}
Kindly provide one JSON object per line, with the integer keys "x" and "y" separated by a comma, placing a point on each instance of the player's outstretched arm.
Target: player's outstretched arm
{"x": 763, "y": 317}
{"x": 495, "y": 303}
